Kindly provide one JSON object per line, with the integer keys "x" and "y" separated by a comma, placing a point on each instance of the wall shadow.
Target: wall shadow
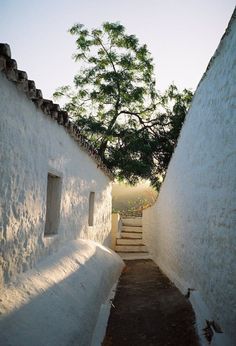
{"x": 61, "y": 309}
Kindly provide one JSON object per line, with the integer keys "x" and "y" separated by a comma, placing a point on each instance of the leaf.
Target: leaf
{"x": 117, "y": 107}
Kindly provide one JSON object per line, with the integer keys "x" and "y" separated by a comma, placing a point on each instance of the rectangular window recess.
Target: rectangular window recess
{"x": 53, "y": 204}
{"x": 91, "y": 208}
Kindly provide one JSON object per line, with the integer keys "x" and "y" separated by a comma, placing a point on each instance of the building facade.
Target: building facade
{"x": 53, "y": 186}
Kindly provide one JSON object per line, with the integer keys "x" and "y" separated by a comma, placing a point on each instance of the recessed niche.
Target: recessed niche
{"x": 91, "y": 208}
{"x": 53, "y": 204}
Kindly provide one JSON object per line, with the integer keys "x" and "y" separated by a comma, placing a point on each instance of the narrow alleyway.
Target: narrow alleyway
{"x": 149, "y": 310}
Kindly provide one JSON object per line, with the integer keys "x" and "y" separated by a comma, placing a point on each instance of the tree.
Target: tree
{"x": 115, "y": 103}
{"x": 175, "y": 105}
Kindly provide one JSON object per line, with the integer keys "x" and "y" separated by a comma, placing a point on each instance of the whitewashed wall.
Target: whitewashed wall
{"x": 58, "y": 302}
{"x": 32, "y": 145}
{"x": 191, "y": 230}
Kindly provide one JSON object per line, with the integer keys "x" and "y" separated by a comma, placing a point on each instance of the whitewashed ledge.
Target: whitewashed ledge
{"x": 58, "y": 302}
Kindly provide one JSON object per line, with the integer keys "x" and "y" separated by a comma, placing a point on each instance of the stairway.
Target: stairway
{"x": 130, "y": 245}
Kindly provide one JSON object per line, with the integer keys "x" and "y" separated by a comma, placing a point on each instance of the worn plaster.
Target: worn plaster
{"x": 190, "y": 230}
{"x": 32, "y": 144}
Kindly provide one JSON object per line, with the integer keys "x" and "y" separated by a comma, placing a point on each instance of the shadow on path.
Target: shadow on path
{"x": 149, "y": 310}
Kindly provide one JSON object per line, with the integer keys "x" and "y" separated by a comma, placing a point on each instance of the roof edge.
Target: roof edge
{"x": 8, "y": 66}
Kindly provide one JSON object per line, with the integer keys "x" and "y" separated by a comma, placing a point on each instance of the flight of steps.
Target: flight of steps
{"x": 130, "y": 245}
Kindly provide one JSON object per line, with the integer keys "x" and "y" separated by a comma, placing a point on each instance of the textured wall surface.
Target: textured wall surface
{"x": 191, "y": 230}
{"x": 58, "y": 302}
{"x": 31, "y": 146}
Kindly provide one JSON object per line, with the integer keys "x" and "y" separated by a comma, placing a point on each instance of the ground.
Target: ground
{"x": 149, "y": 310}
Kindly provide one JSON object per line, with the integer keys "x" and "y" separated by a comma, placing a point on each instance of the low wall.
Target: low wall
{"x": 190, "y": 230}
{"x": 32, "y": 146}
{"x": 115, "y": 229}
{"x": 58, "y": 302}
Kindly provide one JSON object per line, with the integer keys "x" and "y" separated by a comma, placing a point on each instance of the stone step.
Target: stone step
{"x": 129, "y": 242}
{"x": 129, "y": 235}
{"x": 130, "y": 248}
{"x": 136, "y": 221}
{"x": 134, "y": 255}
{"x": 132, "y": 229}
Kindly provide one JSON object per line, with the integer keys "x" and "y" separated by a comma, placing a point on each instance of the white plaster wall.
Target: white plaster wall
{"x": 191, "y": 229}
{"x": 31, "y": 144}
{"x": 58, "y": 302}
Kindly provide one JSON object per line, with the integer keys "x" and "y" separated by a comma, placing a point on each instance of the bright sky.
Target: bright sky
{"x": 181, "y": 35}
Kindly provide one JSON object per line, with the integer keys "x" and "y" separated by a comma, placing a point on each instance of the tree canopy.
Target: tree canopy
{"x": 115, "y": 103}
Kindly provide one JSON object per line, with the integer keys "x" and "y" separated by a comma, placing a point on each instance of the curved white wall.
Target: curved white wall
{"x": 191, "y": 230}
{"x": 31, "y": 145}
{"x": 58, "y": 302}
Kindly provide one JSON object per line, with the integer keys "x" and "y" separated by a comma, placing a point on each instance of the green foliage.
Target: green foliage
{"x": 115, "y": 103}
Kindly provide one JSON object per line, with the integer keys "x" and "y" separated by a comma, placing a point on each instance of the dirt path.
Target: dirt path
{"x": 149, "y": 310}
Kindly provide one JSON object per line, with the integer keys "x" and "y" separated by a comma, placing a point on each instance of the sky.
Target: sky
{"x": 181, "y": 35}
